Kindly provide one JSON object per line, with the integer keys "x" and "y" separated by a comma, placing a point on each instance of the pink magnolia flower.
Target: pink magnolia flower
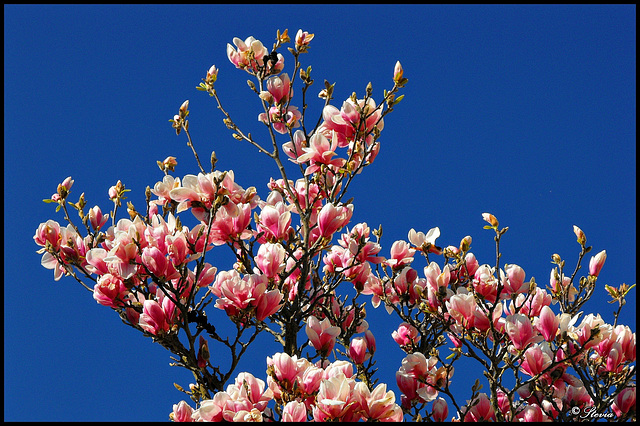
{"x": 625, "y": 402}
{"x": 461, "y": 307}
{"x": 285, "y": 367}
{"x": 485, "y": 283}
{"x": 397, "y": 72}
{"x": 48, "y": 232}
{"x": 532, "y": 413}
{"x": 371, "y": 341}
{"x": 270, "y": 259}
{"x": 536, "y": 359}
{"x": 248, "y": 387}
{"x": 181, "y": 412}
{"x": 335, "y": 400}
{"x": 401, "y": 254}
{"x": 280, "y": 88}
{"x": 212, "y": 410}
{"x": 154, "y": 319}
{"x": 425, "y": 242}
{"x": 322, "y": 334}
{"x": 268, "y": 303}
{"x": 532, "y": 304}
{"x": 440, "y": 410}
{"x": 406, "y": 335}
{"x": 231, "y": 224}
{"x": 515, "y": 284}
{"x": 96, "y": 218}
{"x": 249, "y": 55}
{"x": 163, "y": 189}
{"x": 275, "y": 221}
{"x": 358, "y": 350}
{"x": 303, "y": 38}
{"x": 158, "y": 264}
{"x": 110, "y": 291}
{"x": 294, "y": 411}
{"x": 547, "y": 323}
{"x": 377, "y": 405}
{"x": 481, "y": 410}
{"x": 238, "y": 294}
{"x": 348, "y": 123}
{"x": 332, "y": 218}
{"x": 519, "y": 329}
{"x": 597, "y": 262}
{"x": 281, "y": 119}
{"x": 319, "y": 152}
{"x": 293, "y": 148}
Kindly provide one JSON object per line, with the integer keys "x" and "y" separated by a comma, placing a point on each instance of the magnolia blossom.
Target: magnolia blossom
{"x": 440, "y": 410}
{"x": 238, "y": 295}
{"x": 294, "y": 411}
{"x": 519, "y": 329}
{"x": 547, "y": 323}
{"x": 322, "y": 334}
{"x": 270, "y": 259}
{"x": 406, "y": 335}
{"x": 181, "y": 412}
{"x": 303, "y": 39}
{"x": 281, "y": 119}
{"x": 358, "y": 350}
{"x": 280, "y": 88}
{"x": 110, "y": 291}
{"x": 352, "y": 122}
{"x": 597, "y": 262}
{"x": 332, "y": 218}
{"x": 481, "y": 409}
{"x": 461, "y": 307}
{"x": 320, "y": 152}
{"x": 249, "y": 53}
{"x": 336, "y": 400}
{"x": 378, "y": 405}
{"x": 625, "y": 402}
{"x": 157, "y": 316}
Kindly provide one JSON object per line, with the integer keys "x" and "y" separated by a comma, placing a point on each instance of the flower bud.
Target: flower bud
{"x": 597, "y": 262}
{"x": 582, "y": 239}
{"x": 440, "y": 410}
{"x": 397, "y": 72}
{"x": 203, "y": 353}
{"x": 465, "y": 244}
{"x": 358, "y": 350}
{"x": 491, "y": 219}
{"x": 184, "y": 109}
{"x": 266, "y": 96}
{"x": 212, "y": 74}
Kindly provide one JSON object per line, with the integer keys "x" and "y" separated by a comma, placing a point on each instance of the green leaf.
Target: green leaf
{"x": 47, "y": 200}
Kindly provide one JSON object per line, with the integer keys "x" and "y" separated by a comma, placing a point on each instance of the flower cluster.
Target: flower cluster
{"x": 297, "y": 252}
{"x": 325, "y": 391}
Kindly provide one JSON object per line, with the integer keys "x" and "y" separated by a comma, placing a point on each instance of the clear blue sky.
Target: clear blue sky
{"x": 527, "y": 112}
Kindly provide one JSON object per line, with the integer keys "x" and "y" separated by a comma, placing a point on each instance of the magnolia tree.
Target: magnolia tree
{"x": 304, "y": 273}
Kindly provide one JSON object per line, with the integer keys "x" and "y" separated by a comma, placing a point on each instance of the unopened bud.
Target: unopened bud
{"x": 184, "y": 109}
{"x": 266, "y": 96}
{"x": 491, "y": 219}
{"x": 465, "y": 244}
{"x": 397, "y": 72}
{"x": 212, "y": 74}
{"x": 582, "y": 239}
